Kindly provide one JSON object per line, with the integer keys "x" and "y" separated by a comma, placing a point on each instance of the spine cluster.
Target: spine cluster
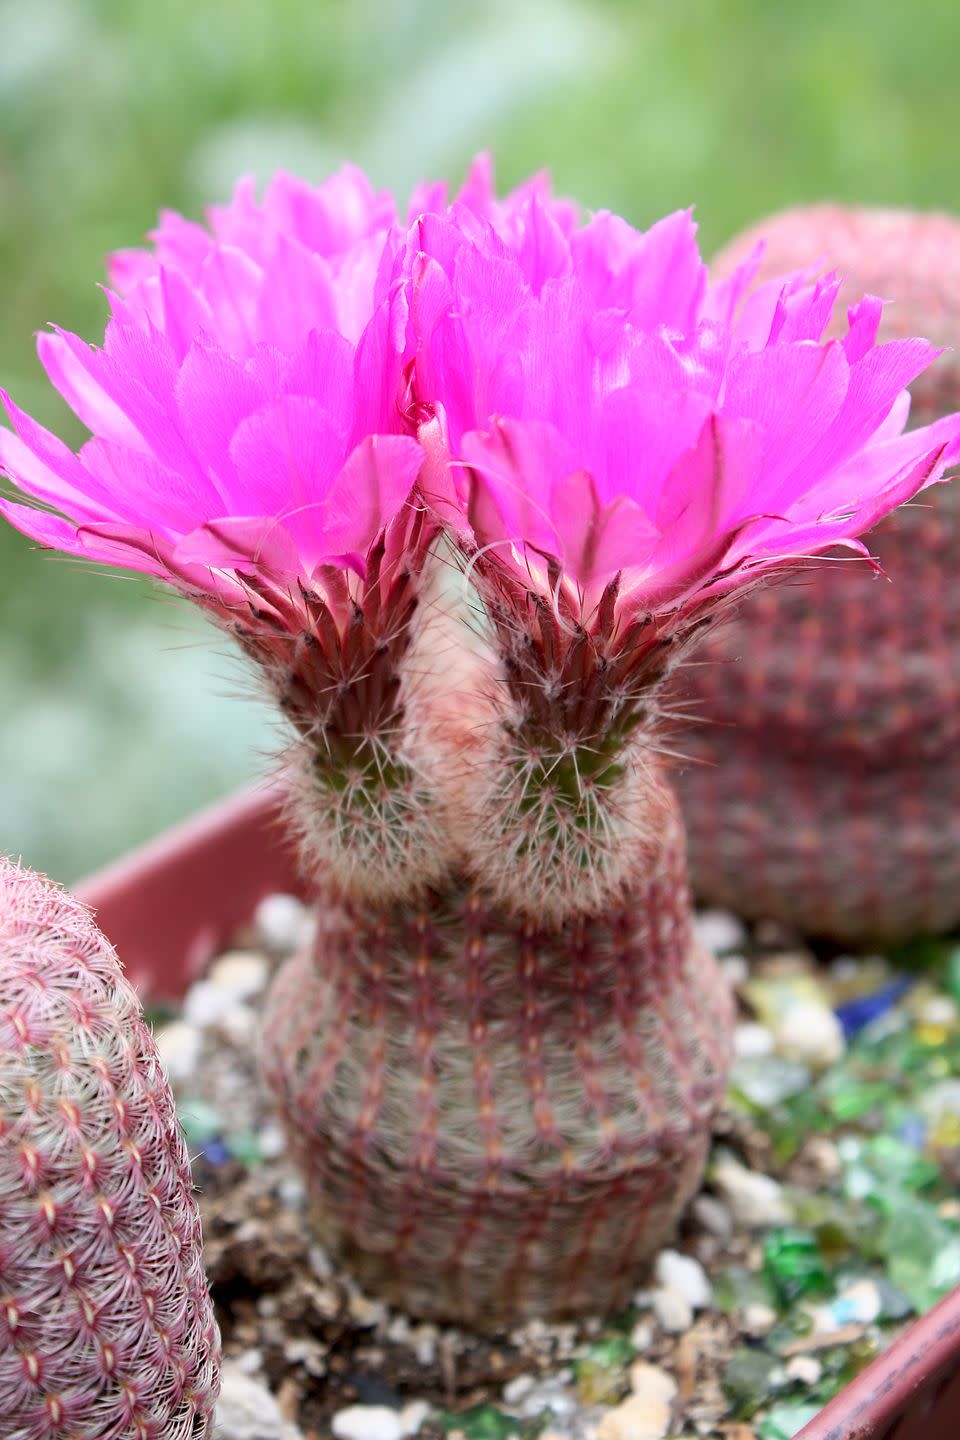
{"x": 106, "y": 1324}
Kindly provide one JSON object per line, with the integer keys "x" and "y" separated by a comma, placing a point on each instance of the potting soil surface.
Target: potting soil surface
{"x": 829, "y": 1218}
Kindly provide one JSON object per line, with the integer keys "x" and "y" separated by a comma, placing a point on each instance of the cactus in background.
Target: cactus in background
{"x": 500, "y": 1065}
{"x": 830, "y": 793}
{"x": 106, "y": 1324}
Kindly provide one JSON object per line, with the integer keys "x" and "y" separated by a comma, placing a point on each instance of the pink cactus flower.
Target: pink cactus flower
{"x": 614, "y": 416}
{"x": 244, "y": 406}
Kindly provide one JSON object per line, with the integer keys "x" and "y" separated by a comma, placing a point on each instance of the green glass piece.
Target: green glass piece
{"x": 792, "y": 1259}
{"x": 893, "y": 1161}
{"x": 952, "y": 976}
{"x": 926, "y": 952}
{"x": 848, "y": 1099}
{"x": 923, "y": 1255}
{"x": 199, "y": 1119}
{"x": 737, "y": 1287}
{"x": 786, "y": 1420}
{"x": 599, "y": 1384}
{"x": 244, "y": 1145}
{"x": 762, "y": 1081}
{"x": 480, "y": 1422}
{"x": 752, "y": 1377}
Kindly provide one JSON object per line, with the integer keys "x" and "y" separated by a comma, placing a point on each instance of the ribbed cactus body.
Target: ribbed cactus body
{"x": 106, "y": 1324}
{"x": 497, "y": 1119}
{"x": 826, "y": 785}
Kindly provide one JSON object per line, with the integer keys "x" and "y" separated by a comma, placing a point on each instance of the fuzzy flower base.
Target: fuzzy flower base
{"x": 496, "y": 1122}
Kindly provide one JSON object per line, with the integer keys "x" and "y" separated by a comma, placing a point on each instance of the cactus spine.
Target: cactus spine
{"x": 106, "y": 1324}
{"x": 830, "y": 793}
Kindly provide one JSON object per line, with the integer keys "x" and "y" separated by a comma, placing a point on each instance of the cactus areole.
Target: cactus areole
{"x": 467, "y": 487}
{"x": 106, "y": 1324}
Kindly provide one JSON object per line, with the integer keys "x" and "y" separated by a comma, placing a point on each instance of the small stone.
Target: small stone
{"x": 685, "y": 1275}
{"x": 810, "y": 1033}
{"x": 639, "y": 1417}
{"x": 549, "y": 1394}
{"x": 273, "y": 1142}
{"x": 425, "y": 1339}
{"x": 804, "y": 1369}
{"x": 368, "y": 1422}
{"x": 751, "y": 1040}
{"x": 735, "y": 970}
{"x": 755, "y": 1200}
{"x": 673, "y": 1311}
{"x": 179, "y": 1045}
{"x": 282, "y": 923}
{"x": 938, "y": 1010}
{"x": 786, "y": 1420}
{"x": 366, "y": 1312}
{"x": 719, "y": 931}
{"x": 859, "y": 1303}
{"x": 767, "y": 1080}
{"x": 413, "y": 1415}
{"x": 648, "y": 1379}
{"x": 641, "y": 1336}
{"x": 246, "y": 1410}
{"x": 757, "y": 1320}
{"x": 239, "y": 973}
{"x": 518, "y": 1388}
{"x": 712, "y": 1215}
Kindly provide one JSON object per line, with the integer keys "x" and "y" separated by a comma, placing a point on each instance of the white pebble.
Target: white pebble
{"x": 282, "y": 923}
{"x": 639, "y": 1417}
{"x": 805, "y": 1369}
{"x": 859, "y": 1304}
{"x": 368, "y": 1422}
{"x": 241, "y": 974}
{"x": 751, "y": 1040}
{"x": 179, "y": 1045}
{"x": 425, "y": 1339}
{"x": 673, "y": 1311}
{"x": 272, "y": 1140}
{"x": 734, "y": 969}
{"x": 246, "y": 1410}
{"x": 413, "y": 1415}
{"x": 757, "y": 1319}
{"x": 646, "y": 1379}
{"x": 938, "y": 1010}
{"x": 811, "y": 1033}
{"x": 239, "y": 1025}
{"x": 755, "y": 1200}
{"x": 675, "y": 1271}
{"x": 719, "y": 931}
{"x": 518, "y": 1388}
{"x": 713, "y": 1216}
{"x": 641, "y": 1336}
{"x": 550, "y": 1393}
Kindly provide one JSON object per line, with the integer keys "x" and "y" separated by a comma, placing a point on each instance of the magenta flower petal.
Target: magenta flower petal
{"x": 589, "y": 376}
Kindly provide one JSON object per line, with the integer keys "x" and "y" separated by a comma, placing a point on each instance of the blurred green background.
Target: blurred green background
{"x": 119, "y": 710}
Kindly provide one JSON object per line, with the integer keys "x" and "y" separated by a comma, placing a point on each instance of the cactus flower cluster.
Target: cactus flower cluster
{"x": 106, "y": 1324}
{"x": 499, "y": 1066}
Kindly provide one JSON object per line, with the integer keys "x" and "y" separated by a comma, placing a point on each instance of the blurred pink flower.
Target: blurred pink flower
{"x": 612, "y": 416}
{"x": 246, "y": 405}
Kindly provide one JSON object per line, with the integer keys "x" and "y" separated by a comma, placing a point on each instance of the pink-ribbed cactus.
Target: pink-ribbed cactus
{"x": 826, "y": 785}
{"x": 106, "y": 1324}
{"x": 499, "y": 1066}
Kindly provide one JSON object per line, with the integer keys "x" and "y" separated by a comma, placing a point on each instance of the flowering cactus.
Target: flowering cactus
{"x": 830, "y": 793}
{"x": 106, "y": 1325}
{"x": 499, "y": 1066}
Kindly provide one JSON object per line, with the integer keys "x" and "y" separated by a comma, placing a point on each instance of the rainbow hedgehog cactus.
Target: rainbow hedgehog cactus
{"x": 106, "y": 1325}
{"x": 827, "y": 792}
{"x": 499, "y": 1065}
